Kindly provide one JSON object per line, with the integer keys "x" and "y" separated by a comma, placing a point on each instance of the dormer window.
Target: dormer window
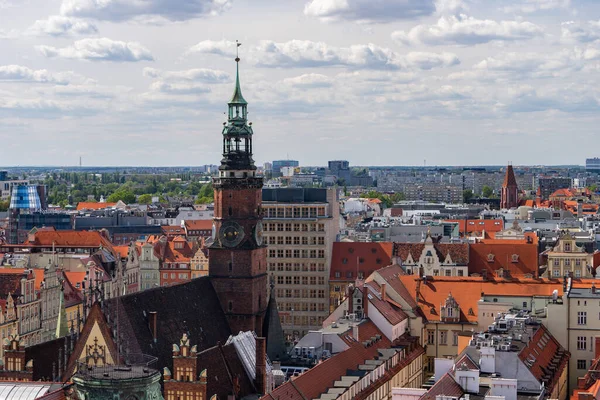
{"x": 490, "y": 257}
{"x": 567, "y": 246}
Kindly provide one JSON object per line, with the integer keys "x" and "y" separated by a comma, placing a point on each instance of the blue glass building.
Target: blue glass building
{"x": 25, "y": 197}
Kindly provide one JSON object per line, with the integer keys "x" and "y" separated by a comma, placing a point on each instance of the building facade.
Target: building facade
{"x": 300, "y": 228}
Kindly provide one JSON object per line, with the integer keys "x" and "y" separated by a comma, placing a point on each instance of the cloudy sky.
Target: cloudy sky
{"x": 377, "y": 82}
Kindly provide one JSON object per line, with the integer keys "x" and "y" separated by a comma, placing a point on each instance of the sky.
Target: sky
{"x": 376, "y": 82}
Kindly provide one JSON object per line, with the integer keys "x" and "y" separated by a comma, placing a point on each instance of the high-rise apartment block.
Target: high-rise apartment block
{"x": 547, "y": 186}
{"x": 300, "y": 228}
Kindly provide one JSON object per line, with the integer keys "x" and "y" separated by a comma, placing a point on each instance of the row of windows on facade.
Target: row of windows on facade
{"x": 297, "y": 240}
{"x": 289, "y": 227}
{"x": 301, "y": 320}
{"x": 300, "y": 280}
{"x": 445, "y": 272}
{"x": 302, "y": 307}
{"x": 556, "y": 273}
{"x": 297, "y": 267}
{"x": 184, "y": 265}
{"x": 568, "y": 261}
{"x": 443, "y": 339}
{"x": 297, "y": 253}
{"x": 175, "y": 276}
{"x": 300, "y": 293}
{"x": 349, "y": 275}
{"x": 582, "y": 343}
{"x": 294, "y": 212}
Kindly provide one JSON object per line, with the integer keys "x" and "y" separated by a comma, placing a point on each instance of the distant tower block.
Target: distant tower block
{"x": 510, "y": 191}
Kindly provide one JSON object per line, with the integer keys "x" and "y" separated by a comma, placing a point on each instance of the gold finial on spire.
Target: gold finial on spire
{"x": 237, "y": 52}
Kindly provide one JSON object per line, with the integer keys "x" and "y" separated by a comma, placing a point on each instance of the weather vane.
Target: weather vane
{"x": 237, "y": 52}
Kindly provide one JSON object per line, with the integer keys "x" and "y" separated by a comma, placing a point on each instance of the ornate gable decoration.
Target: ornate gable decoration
{"x": 450, "y": 310}
{"x": 490, "y": 257}
{"x": 515, "y": 258}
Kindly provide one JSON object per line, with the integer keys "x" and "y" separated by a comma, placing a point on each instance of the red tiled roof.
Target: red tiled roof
{"x": 459, "y": 252}
{"x": 391, "y": 313}
{"x": 445, "y": 386}
{"x": 178, "y": 255}
{"x": 69, "y": 239}
{"x": 89, "y": 205}
{"x": 199, "y": 224}
{"x": 37, "y": 272}
{"x": 478, "y": 225}
{"x": 509, "y": 177}
{"x": 346, "y": 257}
{"x": 315, "y": 381}
{"x": 503, "y": 251}
{"x": 542, "y": 348}
{"x": 172, "y": 230}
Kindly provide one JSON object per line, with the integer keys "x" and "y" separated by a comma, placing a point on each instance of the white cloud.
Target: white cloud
{"x": 531, "y": 6}
{"x": 221, "y": 47}
{"x": 198, "y": 74}
{"x": 100, "y": 49}
{"x": 465, "y": 30}
{"x": 368, "y": 11}
{"x": 309, "y": 81}
{"x": 58, "y": 25}
{"x": 581, "y": 32}
{"x": 18, "y": 73}
{"x": 178, "y": 88}
{"x": 123, "y": 10}
{"x": 308, "y": 54}
{"x": 444, "y": 7}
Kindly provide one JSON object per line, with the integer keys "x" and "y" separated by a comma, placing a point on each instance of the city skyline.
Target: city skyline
{"x": 451, "y": 81}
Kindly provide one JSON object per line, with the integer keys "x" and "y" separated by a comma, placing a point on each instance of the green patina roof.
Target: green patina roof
{"x": 237, "y": 97}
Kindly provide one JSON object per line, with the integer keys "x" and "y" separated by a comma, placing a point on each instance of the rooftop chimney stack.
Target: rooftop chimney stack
{"x": 383, "y": 294}
{"x": 261, "y": 365}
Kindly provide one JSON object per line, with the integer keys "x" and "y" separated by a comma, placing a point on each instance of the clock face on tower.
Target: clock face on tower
{"x": 231, "y": 234}
{"x": 258, "y": 233}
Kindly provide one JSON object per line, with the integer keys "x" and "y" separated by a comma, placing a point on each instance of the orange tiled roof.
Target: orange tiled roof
{"x": 466, "y": 291}
{"x": 178, "y": 255}
{"x": 172, "y": 230}
{"x": 75, "y": 277}
{"x": 90, "y": 205}
{"x": 479, "y": 225}
{"x": 445, "y": 386}
{"x": 123, "y": 251}
{"x": 346, "y": 257}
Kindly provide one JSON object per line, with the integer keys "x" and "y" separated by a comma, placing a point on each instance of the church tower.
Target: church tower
{"x": 509, "y": 197}
{"x": 237, "y": 262}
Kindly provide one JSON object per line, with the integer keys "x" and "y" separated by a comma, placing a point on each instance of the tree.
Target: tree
{"x": 467, "y": 195}
{"x": 487, "y": 191}
{"x": 206, "y": 190}
{"x": 593, "y": 188}
{"x": 4, "y": 205}
{"x": 145, "y": 199}
{"x": 123, "y": 194}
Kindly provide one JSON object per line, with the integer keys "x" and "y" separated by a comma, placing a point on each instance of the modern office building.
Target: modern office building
{"x": 300, "y": 228}
{"x": 278, "y": 164}
{"x": 547, "y": 186}
{"x": 592, "y": 164}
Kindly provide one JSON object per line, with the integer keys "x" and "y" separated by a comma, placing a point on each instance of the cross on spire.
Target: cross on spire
{"x": 237, "y": 51}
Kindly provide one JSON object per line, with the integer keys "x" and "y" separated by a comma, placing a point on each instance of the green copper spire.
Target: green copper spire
{"x": 237, "y": 97}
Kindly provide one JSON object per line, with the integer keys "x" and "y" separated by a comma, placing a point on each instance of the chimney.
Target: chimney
{"x": 365, "y": 301}
{"x": 153, "y": 322}
{"x": 349, "y": 295}
{"x": 261, "y": 365}
{"x": 355, "y": 333}
{"x": 418, "y": 291}
{"x": 383, "y": 294}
